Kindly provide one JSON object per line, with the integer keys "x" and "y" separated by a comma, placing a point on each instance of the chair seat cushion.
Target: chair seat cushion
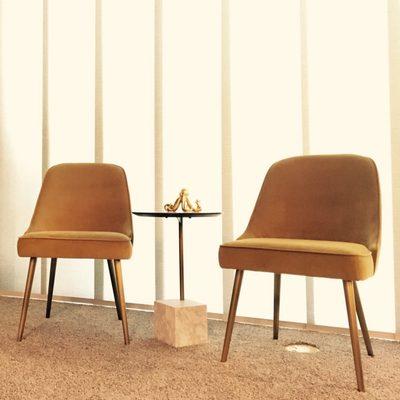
{"x": 75, "y": 244}
{"x": 320, "y": 258}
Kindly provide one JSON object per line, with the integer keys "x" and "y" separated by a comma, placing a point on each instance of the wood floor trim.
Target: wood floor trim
{"x": 215, "y": 316}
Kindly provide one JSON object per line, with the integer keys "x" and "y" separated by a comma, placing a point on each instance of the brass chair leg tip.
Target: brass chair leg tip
{"x": 361, "y": 386}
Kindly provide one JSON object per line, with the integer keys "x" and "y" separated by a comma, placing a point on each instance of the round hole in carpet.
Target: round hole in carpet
{"x": 306, "y": 348}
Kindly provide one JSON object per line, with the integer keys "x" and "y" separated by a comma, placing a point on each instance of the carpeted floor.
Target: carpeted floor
{"x": 79, "y": 354}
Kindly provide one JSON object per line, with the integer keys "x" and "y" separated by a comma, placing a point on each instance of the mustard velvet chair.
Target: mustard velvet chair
{"x": 83, "y": 211}
{"x": 316, "y": 216}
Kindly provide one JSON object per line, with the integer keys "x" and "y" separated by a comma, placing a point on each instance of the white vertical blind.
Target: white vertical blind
{"x": 192, "y": 124}
{"x": 128, "y": 103}
{"x": 394, "y": 83}
{"x": 71, "y": 44}
{"x": 20, "y": 131}
{"x": 266, "y": 126}
{"x": 348, "y": 81}
{"x": 349, "y": 113}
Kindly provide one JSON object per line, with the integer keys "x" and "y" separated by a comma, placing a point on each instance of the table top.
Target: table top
{"x": 167, "y": 214}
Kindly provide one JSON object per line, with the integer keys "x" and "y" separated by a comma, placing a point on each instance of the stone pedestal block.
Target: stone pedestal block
{"x": 180, "y": 323}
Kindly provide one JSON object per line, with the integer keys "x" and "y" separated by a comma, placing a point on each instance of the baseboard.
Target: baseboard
{"x": 216, "y": 316}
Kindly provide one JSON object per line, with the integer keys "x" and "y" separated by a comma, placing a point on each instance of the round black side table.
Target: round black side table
{"x": 180, "y": 216}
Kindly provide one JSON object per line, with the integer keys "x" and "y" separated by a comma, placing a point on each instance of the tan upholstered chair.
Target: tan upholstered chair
{"x": 315, "y": 216}
{"x": 83, "y": 211}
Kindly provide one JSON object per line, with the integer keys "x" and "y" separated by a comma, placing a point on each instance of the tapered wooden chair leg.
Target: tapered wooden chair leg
{"x": 27, "y": 295}
{"x": 114, "y": 287}
{"x": 363, "y": 323}
{"x": 351, "y": 313}
{"x": 277, "y": 299}
{"x": 232, "y": 313}
{"x": 50, "y": 290}
{"x": 121, "y": 296}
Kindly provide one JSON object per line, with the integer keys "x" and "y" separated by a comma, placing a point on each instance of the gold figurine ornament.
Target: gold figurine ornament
{"x": 184, "y": 202}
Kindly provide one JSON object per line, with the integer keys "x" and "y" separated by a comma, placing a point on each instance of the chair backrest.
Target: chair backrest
{"x": 324, "y": 197}
{"x": 84, "y": 197}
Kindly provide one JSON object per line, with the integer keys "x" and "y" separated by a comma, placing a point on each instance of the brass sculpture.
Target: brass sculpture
{"x": 184, "y": 202}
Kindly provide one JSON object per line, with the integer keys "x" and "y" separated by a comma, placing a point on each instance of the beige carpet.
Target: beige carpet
{"x": 79, "y": 354}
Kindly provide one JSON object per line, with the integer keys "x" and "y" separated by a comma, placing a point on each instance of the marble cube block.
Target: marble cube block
{"x": 180, "y": 323}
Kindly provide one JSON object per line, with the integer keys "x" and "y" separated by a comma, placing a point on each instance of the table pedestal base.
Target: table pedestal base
{"x": 180, "y": 323}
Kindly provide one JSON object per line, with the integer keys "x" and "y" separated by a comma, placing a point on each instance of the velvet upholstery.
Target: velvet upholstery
{"x": 315, "y": 216}
{"x": 83, "y": 211}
